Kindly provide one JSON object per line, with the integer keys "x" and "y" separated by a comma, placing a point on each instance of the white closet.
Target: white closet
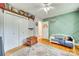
{"x": 15, "y": 30}
{"x": 23, "y": 29}
{"x": 10, "y": 31}
{"x": 31, "y": 24}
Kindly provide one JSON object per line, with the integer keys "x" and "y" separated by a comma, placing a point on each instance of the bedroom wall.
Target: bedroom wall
{"x": 65, "y": 24}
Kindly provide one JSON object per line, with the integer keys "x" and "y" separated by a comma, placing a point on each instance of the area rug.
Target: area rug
{"x": 41, "y": 50}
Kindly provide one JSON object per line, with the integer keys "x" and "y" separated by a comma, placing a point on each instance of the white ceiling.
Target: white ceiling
{"x": 59, "y": 8}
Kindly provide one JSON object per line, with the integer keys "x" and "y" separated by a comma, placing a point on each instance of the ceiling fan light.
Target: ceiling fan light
{"x": 45, "y": 9}
{"x": 48, "y": 9}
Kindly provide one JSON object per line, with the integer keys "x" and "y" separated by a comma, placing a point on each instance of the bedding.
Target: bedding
{"x": 41, "y": 50}
{"x": 62, "y": 40}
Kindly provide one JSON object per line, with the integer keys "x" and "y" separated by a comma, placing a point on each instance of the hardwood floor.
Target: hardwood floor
{"x": 44, "y": 41}
{"x": 8, "y": 53}
{"x": 73, "y": 50}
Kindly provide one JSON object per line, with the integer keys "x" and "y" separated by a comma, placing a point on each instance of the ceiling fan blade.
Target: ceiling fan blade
{"x": 43, "y": 5}
{"x": 48, "y": 4}
{"x": 51, "y": 7}
{"x": 40, "y": 9}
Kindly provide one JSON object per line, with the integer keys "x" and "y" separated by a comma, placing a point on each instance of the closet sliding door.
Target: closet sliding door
{"x": 31, "y": 24}
{"x": 15, "y": 30}
{"x": 23, "y": 30}
{"x": 10, "y": 31}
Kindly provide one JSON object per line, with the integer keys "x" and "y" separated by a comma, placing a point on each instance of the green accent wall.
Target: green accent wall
{"x": 65, "y": 24}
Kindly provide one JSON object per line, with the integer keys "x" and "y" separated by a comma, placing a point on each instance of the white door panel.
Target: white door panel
{"x": 23, "y": 30}
{"x": 45, "y": 29}
{"x": 10, "y": 31}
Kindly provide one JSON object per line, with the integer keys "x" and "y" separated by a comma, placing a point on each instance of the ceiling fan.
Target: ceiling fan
{"x": 46, "y": 7}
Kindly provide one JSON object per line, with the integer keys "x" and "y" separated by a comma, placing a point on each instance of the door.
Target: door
{"x": 45, "y": 29}
{"x": 10, "y": 31}
{"x": 31, "y": 24}
{"x": 23, "y": 30}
